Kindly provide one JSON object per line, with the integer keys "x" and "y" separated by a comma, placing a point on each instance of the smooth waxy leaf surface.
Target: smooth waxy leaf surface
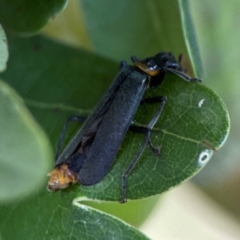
{"x": 187, "y": 133}
{"x": 138, "y": 27}
{"x": 24, "y": 148}
{"x": 3, "y": 50}
{"x": 48, "y": 88}
{"x": 53, "y": 216}
{"x": 27, "y": 17}
{"x": 63, "y": 81}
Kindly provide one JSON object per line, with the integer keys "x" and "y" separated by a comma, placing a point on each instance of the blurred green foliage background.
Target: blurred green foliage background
{"x": 217, "y": 27}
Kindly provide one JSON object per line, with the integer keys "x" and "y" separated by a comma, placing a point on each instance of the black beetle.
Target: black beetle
{"x": 90, "y": 154}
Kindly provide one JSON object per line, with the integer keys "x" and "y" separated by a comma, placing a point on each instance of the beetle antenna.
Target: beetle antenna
{"x": 180, "y": 57}
{"x": 134, "y": 59}
{"x": 123, "y": 64}
{"x": 183, "y": 75}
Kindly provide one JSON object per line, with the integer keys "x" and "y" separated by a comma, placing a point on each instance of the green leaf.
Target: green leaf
{"x": 187, "y": 127}
{"x": 190, "y": 38}
{"x": 24, "y": 149}
{"x": 3, "y": 50}
{"x": 53, "y": 216}
{"x": 57, "y": 81}
{"x": 24, "y": 17}
{"x": 120, "y": 29}
{"x": 194, "y": 120}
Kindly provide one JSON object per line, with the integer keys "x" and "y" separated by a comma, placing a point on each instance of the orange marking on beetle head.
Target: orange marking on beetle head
{"x": 151, "y": 71}
{"x": 61, "y": 177}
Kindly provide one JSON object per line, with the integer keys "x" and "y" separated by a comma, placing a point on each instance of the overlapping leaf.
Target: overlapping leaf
{"x": 3, "y": 50}
{"x": 25, "y": 152}
{"x": 27, "y": 17}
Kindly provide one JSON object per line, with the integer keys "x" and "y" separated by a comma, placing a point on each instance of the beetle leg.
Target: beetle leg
{"x": 145, "y": 101}
{"x": 155, "y": 150}
{"x": 144, "y": 130}
{"x": 141, "y": 149}
{"x": 156, "y": 99}
{"x": 61, "y": 138}
{"x": 180, "y": 58}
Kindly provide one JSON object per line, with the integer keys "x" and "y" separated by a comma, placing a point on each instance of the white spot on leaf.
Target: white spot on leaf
{"x": 201, "y": 103}
{"x": 204, "y": 157}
